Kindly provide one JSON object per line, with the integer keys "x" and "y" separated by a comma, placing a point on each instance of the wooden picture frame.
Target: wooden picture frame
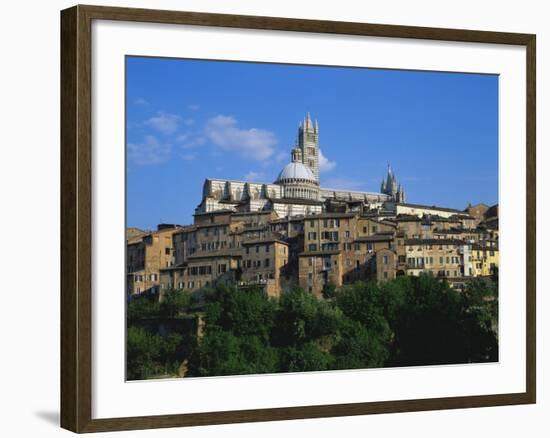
{"x": 76, "y": 218}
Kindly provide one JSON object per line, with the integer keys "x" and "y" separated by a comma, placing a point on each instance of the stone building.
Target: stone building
{"x": 294, "y": 232}
{"x": 441, "y": 257}
{"x": 146, "y": 255}
{"x": 265, "y": 263}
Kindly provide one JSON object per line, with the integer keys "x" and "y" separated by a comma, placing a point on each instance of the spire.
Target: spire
{"x": 308, "y": 124}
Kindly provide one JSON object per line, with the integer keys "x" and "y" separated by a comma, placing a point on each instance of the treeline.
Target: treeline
{"x": 404, "y": 322}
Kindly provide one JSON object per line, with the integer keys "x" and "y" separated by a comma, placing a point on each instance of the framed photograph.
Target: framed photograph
{"x": 270, "y": 218}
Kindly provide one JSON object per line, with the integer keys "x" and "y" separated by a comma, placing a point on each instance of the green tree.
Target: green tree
{"x": 306, "y": 357}
{"x": 357, "y": 348}
{"x": 302, "y": 318}
{"x": 221, "y": 353}
{"x": 174, "y": 303}
{"x": 439, "y": 325}
{"x": 142, "y": 308}
{"x": 149, "y": 355}
{"x": 241, "y": 312}
{"x": 366, "y": 304}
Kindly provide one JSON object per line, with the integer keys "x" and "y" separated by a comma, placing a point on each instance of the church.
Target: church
{"x": 297, "y": 190}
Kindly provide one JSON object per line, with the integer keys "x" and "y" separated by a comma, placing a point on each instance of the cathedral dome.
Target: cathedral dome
{"x": 296, "y": 171}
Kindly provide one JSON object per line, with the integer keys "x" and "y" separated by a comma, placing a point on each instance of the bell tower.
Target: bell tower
{"x": 308, "y": 142}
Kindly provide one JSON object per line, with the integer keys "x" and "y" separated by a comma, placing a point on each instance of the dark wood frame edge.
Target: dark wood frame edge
{"x": 76, "y": 341}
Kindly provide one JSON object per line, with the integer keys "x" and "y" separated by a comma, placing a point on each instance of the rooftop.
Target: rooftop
{"x": 432, "y": 207}
{"x": 375, "y": 238}
{"x": 434, "y": 242}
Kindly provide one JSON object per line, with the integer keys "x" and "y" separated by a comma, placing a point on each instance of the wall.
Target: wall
{"x": 29, "y": 179}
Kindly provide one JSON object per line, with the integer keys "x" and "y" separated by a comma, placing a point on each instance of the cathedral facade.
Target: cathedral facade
{"x": 297, "y": 190}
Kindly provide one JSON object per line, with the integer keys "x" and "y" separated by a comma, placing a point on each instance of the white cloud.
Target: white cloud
{"x": 189, "y": 141}
{"x": 164, "y": 122}
{"x": 189, "y": 157}
{"x": 325, "y": 165}
{"x": 281, "y": 156}
{"x": 188, "y": 122}
{"x": 253, "y": 176}
{"x": 193, "y": 107}
{"x": 253, "y": 143}
{"x": 141, "y": 101}
{"x": 150, "y": 151}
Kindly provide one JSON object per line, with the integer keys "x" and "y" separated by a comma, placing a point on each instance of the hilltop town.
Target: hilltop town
{"x": 293, "y": 232}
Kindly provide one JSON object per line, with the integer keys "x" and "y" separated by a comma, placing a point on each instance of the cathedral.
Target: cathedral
{"x": 297, "y": 190}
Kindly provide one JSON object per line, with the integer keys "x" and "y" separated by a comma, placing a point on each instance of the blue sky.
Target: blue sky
{"x": 188, "y": 120}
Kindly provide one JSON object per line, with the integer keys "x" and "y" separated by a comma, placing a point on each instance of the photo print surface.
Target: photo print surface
{"x": 294, "y": 218}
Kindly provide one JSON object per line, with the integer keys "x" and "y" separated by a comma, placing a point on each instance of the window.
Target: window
{"x": 257, "y": 249}
{"x": 266, "y": 263}
{"x": 365, "y": 230}
{"x": 310, "y": 275}
{"x": 312, "y": 247}
{"x": 385, "y": 274}
{"x": 385, "y": 259}
{"x": 374, "y": 228}
{"x": 267, "y": 248}
{"x": 357, "y": 264}
{"x": 167, "y": 251}
{"x": 369, "y": 246}
{"x": 347, "y": 234}
{"x": 310, "y": 262}
{"x": 357, "y": 246}
{"x": 312, "y": 223}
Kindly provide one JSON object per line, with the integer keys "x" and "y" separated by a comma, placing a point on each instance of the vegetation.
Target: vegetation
{"x": 404, "y": 322}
